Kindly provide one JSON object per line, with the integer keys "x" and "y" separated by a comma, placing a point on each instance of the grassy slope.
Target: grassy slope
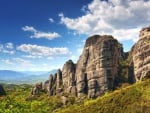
{"x": 131, "y": 99}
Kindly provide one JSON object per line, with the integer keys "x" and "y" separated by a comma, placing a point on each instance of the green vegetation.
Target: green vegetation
{"x": 18, "y": 100}
{"x": 128, "y": 99}
{"x": 131, "y": 99}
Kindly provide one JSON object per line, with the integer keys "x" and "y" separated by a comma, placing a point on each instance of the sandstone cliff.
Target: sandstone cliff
{"x": 69, "y": 78}
{"x": 97, "y": 66}
{"x": 94, "y": 72}
{"x": 140, "y": 54}
{"x": 63, "y": 81}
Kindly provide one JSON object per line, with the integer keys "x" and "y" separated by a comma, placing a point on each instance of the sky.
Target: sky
{"x": 41, "y": 35}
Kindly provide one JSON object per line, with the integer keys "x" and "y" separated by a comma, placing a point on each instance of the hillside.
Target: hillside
{"x": 18, "y": 100}
{"x": 131, "y": 99}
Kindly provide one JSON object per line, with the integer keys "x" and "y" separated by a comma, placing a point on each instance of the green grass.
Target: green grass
{"x": 131, "y": 99}
{"x": 18, "y": 100}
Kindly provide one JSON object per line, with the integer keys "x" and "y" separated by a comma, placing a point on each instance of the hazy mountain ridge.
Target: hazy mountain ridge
{"x": 21, "y": 77}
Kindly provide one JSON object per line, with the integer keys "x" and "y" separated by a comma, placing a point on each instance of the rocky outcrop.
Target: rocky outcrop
{"x": 97, "y": 66}
{"x": 69, "y": 78}
{"x": 36, "y": 89}
{"x": 140, "y": 54}
{"x": 2, "y": 91}
{"x": 46, "y": 85}
{"x": 52, "y": 84}
{"x": 63, "y": 81}
{"x": 94, "y": 73}
{"x": 59, "y": 86}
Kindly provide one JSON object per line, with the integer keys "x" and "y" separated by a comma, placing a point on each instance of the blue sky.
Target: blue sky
{"x": 41, "y": 35}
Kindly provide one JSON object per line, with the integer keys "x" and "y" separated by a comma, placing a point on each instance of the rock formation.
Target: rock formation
{"x": 69, "y": 78}
{"x": 102, "y": 66}
{"x": 52, "y": 84}
{"x": 94, "y": 72}
{"x": 140, "y": 54}
{"x": 59, "y": 87}
{"x": 2, "y": 91}
{"x": 97, "y": 66}
{"x": 63, "y": 81}
{"x": 36, "y": 89}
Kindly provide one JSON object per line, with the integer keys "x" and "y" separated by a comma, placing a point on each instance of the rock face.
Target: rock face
{"x": 94, "y": 72}
{"x": 59, "y": 87}
{"x": 141, "y": 55}
{"x": 97, "y": 66}
{"x": 63, "y": 81}
{"x": 52, "y": 84}
{"x": 69, "y": 78}
{"x": 2, "y": 91}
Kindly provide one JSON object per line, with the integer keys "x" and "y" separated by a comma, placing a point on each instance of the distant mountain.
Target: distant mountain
{"x": 10, "y": 75}
{"x": 39, "y": 72}
{"x": 24, "y": 77}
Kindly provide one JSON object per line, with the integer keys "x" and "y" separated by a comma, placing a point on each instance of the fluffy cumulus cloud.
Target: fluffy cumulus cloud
{"x": 7, "y": 48}
{"x": 42, "y": 51}
{"x": 40, "y": 34}
{"x": 121, "y": 18}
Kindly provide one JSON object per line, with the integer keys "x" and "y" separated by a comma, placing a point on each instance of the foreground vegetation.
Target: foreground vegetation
{"x": 131, "y": 99}
{"x": 17, "y": 100}
{"x": 128, "y": 99}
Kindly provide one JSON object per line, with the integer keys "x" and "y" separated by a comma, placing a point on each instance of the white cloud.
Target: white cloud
{"x": 7, "y": 62}
{"x": 7, "y": 48}
{"x": 9, "y": 45}
{"x": 24, "y": 63}
{"x": 31, "y": 56}
{"x": 51, "y": 20}
{"x": 28, "y": 28}
{"x": 42, "y": 51}
{"x": 40, "y": 34}
{"x": 8, "y": 52}
{"x": 121, "y": 18}
{"x": 47, "y": 35}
